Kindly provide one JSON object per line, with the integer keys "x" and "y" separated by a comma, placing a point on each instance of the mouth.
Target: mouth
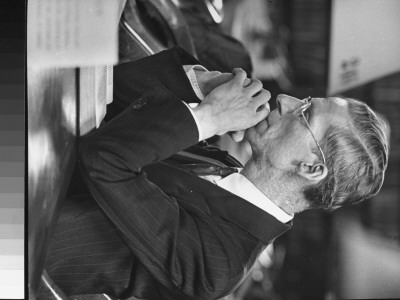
{"x": 268, "y": 118}
{"x": 263, "y": 125}
{"x": 257, "y": 130}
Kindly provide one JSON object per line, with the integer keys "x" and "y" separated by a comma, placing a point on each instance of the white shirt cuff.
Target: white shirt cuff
{"x": 201, "y": 135}
{"x": 189, "y": 69}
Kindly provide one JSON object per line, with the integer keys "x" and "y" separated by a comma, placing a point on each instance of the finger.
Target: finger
{"x": 246, "y": 82}
{"x": 239, "y": 76}
{"x": 237, "y": 136}
{"x": 262, "y": 98}
{"x": 263, "y": 107}
{"x": 261, "y": 113}
{"x": 254, "y": 87}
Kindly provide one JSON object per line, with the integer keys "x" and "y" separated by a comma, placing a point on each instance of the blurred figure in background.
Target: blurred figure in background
{"x": 265, "y": 39}
{"x": 258, "y": 25}
{"x": 217, "y": 50}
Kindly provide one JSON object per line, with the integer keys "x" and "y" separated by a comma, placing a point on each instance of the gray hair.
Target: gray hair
{"x": 356, "y": 157}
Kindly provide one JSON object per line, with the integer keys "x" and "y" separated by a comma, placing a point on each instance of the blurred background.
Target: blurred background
{"x": 303, "y": 48}
{"x": 354, "y": 252}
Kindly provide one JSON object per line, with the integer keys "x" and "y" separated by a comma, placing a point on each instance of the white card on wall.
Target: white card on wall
{"x": 72, "y": 33}
{"x": 365, "y": 43}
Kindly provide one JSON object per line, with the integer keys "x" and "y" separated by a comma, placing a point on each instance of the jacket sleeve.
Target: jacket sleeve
{"x": 132, "y": 79}
{"x": 166, "y": 238}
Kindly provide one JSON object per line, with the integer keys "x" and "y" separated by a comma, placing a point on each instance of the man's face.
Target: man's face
{"x": 283, "y": 140}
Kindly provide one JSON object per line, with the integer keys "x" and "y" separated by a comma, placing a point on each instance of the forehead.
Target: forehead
{"x": 330, "y": 106}
{"x": 329, "y": 111}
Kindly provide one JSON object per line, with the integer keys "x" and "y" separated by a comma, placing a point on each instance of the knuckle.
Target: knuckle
{"x": 247, "y": 82}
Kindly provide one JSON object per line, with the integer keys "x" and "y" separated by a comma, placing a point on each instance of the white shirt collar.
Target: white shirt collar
{"x": 240, "y": 186}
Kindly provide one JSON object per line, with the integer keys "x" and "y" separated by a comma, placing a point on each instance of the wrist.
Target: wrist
{"x": 207, "y": 122}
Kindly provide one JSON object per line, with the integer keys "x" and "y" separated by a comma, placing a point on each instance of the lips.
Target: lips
{"x": 268, "y": 118}
{"x": 263, "y": 125}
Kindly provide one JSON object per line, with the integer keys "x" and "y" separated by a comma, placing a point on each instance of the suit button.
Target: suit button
{"x": 139, "y": 103}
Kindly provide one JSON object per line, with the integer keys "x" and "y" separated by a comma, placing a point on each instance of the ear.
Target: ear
{"x": 312, "y": 172}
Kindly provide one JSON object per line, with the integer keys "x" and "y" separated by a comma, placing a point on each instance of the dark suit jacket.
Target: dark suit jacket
{"x": 148, "y": 229}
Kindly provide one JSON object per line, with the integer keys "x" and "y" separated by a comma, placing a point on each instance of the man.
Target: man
{"x": 155, "y": 230}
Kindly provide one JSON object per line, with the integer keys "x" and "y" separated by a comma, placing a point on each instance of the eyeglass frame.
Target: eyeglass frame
{"x": 303, "y": 108}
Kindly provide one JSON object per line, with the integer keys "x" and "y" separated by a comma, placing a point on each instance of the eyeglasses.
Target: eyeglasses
{"x": 302, "y": 109}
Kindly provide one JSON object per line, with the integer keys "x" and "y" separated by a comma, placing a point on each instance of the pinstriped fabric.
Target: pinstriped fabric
{"x": 87, "y": 251}
{"x": 88, "y": 255}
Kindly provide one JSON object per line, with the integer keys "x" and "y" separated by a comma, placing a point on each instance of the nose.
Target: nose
{"x": 287, "y": 104}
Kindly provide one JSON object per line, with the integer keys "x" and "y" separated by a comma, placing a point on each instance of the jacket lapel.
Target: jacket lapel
{"x": 195, "y": 193}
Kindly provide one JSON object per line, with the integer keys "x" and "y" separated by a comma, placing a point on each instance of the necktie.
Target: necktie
{"x": 202, "y": 161}
{"x": 204, "y": 169}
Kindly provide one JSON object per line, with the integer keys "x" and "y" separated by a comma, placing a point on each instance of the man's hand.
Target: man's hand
{"x": 209, "y": 80}
{"x": 233, "y": 106}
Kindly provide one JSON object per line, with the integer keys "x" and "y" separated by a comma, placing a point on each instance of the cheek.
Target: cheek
{"x": 283, "y": 136}
{"x": 285, "y": 147}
